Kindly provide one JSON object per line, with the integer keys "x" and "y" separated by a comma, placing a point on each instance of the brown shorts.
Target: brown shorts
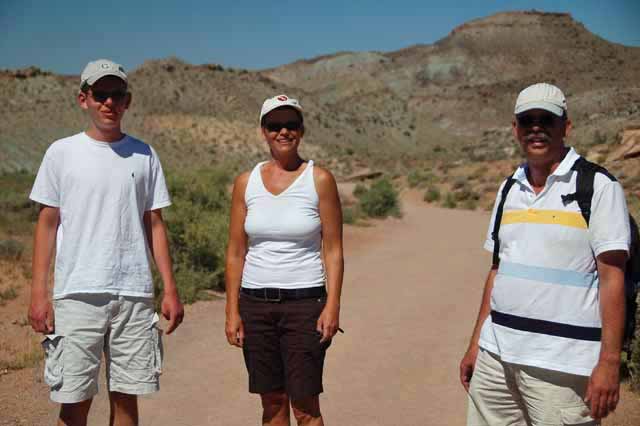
{"x": 282, "y": 349}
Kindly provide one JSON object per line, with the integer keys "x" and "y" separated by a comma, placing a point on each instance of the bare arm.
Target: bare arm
{"x": 40, "y": 311}
{"x": 158, "y": 241}
{"x": 468, "y": 362}
{"x": 236, "y": 252}
{"x": 331, "y": 218}
{"x": 603, "y": 391}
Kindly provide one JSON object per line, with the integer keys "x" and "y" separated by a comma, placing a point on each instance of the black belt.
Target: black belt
{"x": 279, "y": 294}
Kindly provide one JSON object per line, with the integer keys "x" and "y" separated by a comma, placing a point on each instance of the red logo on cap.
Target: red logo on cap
{"x": 282, "y": 98}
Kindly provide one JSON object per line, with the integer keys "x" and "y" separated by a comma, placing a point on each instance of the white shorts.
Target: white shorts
{"x": 88, "y": 325}
{"x": 502, "y": 393}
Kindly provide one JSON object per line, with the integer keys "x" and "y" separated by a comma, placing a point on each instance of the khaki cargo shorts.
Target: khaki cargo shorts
{"x": 88, "y": 325}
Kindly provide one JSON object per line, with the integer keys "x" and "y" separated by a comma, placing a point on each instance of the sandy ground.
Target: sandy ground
{"x": 411, "y": 294}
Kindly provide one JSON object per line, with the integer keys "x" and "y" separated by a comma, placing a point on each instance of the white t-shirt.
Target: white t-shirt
{"x": 102, "y": 190}
{"x": 545, "y": 301}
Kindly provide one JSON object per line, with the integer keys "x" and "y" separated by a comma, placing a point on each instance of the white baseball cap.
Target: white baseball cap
{"x": 542, "y": 96}
{"x": 277, "y": 102}
{"x": 95, "y": 70}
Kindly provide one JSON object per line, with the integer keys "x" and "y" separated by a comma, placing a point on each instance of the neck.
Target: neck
{"x": 289, "y": 163}
{"x": 110, "y": 135}
{"x": 539, "y": 171}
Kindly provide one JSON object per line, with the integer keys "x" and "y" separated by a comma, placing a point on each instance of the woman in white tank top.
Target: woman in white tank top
{"x": 284, "y": 270}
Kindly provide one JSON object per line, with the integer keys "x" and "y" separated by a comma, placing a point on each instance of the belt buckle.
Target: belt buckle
{"x": 269, "y": 292}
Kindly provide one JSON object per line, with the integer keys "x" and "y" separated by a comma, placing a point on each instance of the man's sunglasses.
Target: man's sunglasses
{"x": 289, "y": 125}
{"x": 102, "y": 95}
{"x": 543, "y": 120}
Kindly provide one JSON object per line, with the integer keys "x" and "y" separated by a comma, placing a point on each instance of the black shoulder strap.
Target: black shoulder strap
{"x": 496, "y": 223}
{"x": 586, "y": 172}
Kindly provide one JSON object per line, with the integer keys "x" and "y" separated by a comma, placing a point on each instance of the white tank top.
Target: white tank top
{"x": 284, "y": 231}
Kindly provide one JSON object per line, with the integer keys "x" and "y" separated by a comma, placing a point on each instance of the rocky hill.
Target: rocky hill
{"x": 448, "y": 101}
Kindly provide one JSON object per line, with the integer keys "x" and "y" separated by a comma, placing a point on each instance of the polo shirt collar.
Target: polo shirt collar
{"x": 563, "y": 168}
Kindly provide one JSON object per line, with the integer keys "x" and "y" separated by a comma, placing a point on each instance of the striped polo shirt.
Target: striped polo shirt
{"x": 545, "y": 301}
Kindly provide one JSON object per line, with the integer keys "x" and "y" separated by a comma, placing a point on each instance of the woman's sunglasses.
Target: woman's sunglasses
{"x": 277, "y": 127}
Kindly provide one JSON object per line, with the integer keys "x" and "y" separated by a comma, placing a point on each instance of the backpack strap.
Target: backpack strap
{"x": 496, "y": 223}
{"x": 586, "y": 173}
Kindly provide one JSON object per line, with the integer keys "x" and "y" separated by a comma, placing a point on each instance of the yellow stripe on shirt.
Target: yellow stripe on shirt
{"x": 547, "y": 217}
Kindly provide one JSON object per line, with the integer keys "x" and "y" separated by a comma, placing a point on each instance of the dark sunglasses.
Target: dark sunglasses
{"x": 102, "y": 96}
{"x": 543, "y": 120}
{"x": 289, "y": 125}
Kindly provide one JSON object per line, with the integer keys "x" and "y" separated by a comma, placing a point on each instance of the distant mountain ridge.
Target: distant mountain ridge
{"x": 450, "y": 99}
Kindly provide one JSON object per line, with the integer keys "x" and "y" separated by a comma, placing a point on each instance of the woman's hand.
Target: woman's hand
{"x": 328, "y": 322}
{"x": 234, "y": 330}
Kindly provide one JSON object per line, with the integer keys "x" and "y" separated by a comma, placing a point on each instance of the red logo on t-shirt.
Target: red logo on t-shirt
{"x": 281, "y": 98}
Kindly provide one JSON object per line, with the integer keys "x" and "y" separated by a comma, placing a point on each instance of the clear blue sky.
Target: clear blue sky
{"x": 63, "y": 35}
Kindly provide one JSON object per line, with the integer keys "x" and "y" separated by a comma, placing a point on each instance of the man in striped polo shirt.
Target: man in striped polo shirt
{"x": 546, "y": 346}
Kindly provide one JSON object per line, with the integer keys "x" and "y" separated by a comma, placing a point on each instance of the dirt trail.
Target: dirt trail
{"x": 410, "y": 296}
{"x": 411, "y": 293}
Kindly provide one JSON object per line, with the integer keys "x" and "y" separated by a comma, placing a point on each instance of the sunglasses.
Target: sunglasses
{"x": 289, "y": 125}
{"x": 543, "y": 120}
{"x": 102, "y": 96}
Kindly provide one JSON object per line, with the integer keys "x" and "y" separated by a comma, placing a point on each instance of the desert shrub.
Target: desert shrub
{"x": 470, "y": 204}
{"x": 351, "y": 214}
{"x": 432, "y": 194}
{"x": 359, "y": 190}
{"x": 466, "y": 194}
{"x": 459, "y": 183}
{"x": 198, "y": 223}
{"x": 18, "y": 212}
{"x": 8, "y": 294}
{"x": 450, "y": 201}
{"x": 418, "y": 178}
{"x": 11, "y": 249}
{"x": 380, "y": 200}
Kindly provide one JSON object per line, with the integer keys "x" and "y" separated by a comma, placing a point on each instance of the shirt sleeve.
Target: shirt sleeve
{"x": 158, "y": 192}
{"x": 609, "y": 222}
{"x": 46, "y": 188}
{"x": 489, "y": 243}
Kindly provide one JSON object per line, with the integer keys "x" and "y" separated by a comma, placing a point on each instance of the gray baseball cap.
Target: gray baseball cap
{"x": 95, "y": 70}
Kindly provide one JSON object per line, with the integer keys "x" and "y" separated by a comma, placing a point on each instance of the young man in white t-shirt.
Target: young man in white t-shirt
{"x": 101, "y": 194}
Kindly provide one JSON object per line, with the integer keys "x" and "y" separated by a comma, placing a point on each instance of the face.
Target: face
{"x": 106, "y": 102}
{"x": 283, "y": 130}
{"x": 541, "y": 135}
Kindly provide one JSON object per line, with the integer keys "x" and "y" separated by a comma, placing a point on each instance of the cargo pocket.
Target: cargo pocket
{"x": 53, "y": 346}
{"x": 578, "y": 416}
{"x": 158, "y": 349}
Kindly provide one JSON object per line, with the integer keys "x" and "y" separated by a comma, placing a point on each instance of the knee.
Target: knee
{"x": 75, "y": 413}
{"x": 274, "y": 404}
{"x": 124, "y": 402}
{"x": 306, "y": 409}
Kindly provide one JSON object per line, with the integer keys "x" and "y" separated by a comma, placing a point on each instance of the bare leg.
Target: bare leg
{"x": 124, "y": 409}
{"x": 275, "y": 406}
{"x": 74, "y": 414}
{"x": 307, "y": 411}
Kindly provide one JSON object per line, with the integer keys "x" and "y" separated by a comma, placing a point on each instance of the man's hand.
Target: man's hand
{"x": 172, "y": 310}
{"x": 467, "y": 365}
{"x": 234, "y": 330}
{"x": 41, "y": 315}
{"x": 603, "y": 391}
{"x": 328, "y": 322}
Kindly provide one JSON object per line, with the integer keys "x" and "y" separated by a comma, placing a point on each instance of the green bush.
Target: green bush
{"x": 418, "y": 178}
{"x": 380, "y": 200}
{"x": 432, "y": 194}
{"x": 450, "y": 201}
{"x": 198, "y": 224}
{"x": 18, "y": 212}
{"x": 11, "y": 249}
{"x": 351, "y": 215}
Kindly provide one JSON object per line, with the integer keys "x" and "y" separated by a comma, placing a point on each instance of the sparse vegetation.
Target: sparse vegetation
{"x": 8, "y": 294}
{"x": 450, "y": 201}
{"x": 198, "y": 228}
{"x": 432, "y": 194}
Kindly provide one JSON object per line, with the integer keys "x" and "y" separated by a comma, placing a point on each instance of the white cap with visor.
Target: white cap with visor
{"x": 95, "y": 70}
{"x": 542, "y": 96}
{"x": 277, "y": 102}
